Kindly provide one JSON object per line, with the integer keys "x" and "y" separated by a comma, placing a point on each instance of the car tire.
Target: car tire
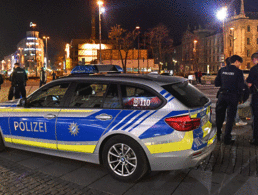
{"x": 2, "y": 146}
{"x": 124, "y": 159}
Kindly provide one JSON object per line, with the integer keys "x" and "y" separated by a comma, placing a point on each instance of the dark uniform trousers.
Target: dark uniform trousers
{"x": 254, "y": 105}
{"x": 226, "y": 101}
{"x": 20, "y": 91}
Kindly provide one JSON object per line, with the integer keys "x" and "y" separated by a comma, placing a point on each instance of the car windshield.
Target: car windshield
{"x": 187, "y": 94}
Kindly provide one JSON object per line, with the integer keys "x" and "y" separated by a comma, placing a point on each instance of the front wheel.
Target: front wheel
{"x": 125, "y": 159}
{"x": 2, "y": 146}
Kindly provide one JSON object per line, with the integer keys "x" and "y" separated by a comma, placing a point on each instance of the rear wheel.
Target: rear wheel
{"x": 125, "y": 159}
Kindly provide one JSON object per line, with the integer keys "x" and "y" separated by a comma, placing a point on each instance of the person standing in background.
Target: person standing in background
{"x": 19, "y": 79}
{"x": 54, "y": 75}
{"x": 12, "y": 88}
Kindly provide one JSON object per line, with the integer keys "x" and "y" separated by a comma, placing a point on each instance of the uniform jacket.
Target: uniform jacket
{"x": 231, "y": 79}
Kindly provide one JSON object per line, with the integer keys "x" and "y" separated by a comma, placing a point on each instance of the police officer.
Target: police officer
{"x": 252, "y": 81}
{"x": 230, "y": 79}
{"x": 19, "y": 79}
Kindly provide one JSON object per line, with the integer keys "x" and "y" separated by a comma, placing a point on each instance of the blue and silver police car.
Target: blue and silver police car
{"x": 129, "y": 123}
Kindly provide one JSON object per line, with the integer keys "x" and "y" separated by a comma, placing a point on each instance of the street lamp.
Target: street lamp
{"x": 194, "y": 52}
{"x": 101, "y": 10}
{"x": 46, "y": 38}
{"x": 221, "y": 15}
{"x": 232, "y": 29}
{"x": 138, "y": 28}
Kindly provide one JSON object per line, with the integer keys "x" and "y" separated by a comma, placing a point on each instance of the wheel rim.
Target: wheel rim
{"x": 122, "y": 159}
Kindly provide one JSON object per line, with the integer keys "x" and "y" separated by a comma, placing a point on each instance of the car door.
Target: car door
{"x": 35, "y": 124}
{"x": 91, "y": 109}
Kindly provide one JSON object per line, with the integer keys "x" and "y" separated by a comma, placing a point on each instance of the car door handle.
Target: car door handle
{"x": 104, "y": 117}
{"x": 50, "y": 116}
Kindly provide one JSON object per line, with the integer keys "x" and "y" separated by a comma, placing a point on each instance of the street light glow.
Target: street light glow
{"x": 222, "y": 14}
{"x": 100, "y": 3}
{"x": 102, "y": 10}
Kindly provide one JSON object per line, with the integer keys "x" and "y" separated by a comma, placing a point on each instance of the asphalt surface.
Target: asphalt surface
{"x": 230, "y": 169}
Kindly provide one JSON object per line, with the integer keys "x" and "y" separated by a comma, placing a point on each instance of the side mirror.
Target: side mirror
{"x": 22, "y": 102}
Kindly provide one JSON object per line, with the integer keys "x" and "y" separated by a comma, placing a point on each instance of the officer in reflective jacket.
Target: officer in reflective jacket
{"x": 230, "y": 79}
{"x": 19, "y": 79}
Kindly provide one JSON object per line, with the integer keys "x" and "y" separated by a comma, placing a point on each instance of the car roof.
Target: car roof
{"x": 158, "y": 79}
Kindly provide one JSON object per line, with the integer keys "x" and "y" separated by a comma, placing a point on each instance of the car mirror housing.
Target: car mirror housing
{"x": 22, "y": 102}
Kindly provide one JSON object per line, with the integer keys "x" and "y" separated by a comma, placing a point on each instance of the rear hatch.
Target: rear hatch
{"x": 199, "y": 118}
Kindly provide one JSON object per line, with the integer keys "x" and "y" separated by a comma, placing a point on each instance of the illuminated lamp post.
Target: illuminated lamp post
{"x": 46, "y": 38}
{"x": 233, "y": 39}
{"x": 221, "y": 15}
{"x": 194, "y": 52}
{"x": 138, "y": 28}
{"x": 101, "y": 10}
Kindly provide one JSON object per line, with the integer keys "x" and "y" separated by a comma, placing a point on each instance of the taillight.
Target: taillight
{"x": 183, "y": 123}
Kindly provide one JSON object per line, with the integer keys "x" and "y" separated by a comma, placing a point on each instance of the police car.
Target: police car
{"x": 129, "y": 123}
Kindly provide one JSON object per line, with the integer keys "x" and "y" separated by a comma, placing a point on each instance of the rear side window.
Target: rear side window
{"x": 139, "y": 98}
{"x": 187, "y": 94}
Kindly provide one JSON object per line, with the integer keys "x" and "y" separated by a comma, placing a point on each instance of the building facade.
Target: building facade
{"x": 29, "y": 53}
{"x": 206, "y": 50}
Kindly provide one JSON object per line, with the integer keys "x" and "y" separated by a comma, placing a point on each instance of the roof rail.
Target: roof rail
{"x": 96, "y": 68}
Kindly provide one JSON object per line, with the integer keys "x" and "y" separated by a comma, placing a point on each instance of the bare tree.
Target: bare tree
{"x": 123, "y": 41}
{"x": 160, "y": 43}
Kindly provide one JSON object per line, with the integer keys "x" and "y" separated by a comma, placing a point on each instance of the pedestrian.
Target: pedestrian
{"x": 196, "y": 76}
{"x": 252, "y": 81}
{"x": 54, "y": 75}
{"x": 200, "y": 77}
{"x": 12, "y": 88}
{"x": 43, "y": 77}
{"x": 230, "y": 79}
{"x": 1, "y": 80}
{"x": 19, "y": 79}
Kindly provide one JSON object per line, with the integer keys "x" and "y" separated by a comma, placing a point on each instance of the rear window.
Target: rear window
{"x": 187, "y": 94}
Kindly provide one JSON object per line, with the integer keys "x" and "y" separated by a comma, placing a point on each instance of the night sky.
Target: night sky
{"x": 63, "y": 20}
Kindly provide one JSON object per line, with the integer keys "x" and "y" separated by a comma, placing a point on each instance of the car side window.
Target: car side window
{"x": 49, "y": 97}
{"x": 139, "y": 98}
{"x": 112, "y": 98}
{"x": 88, "y": 95}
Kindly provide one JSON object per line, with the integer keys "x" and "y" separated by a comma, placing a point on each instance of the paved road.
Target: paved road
{"x": 228, "y": 170}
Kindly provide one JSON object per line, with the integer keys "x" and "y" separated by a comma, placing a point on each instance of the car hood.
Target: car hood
{"x": 11, "y": 103}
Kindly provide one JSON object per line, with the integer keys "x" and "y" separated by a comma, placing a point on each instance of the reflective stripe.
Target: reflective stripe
{"x": 8, "y": 139}
{"x": 206, "y": 128}
{"x": 77, "y": 148}
{"x": 211, "y": 141}
{"x": 185, "y": 144}
{"x": 171, "y": 99}
{"x": 34, "y": 143}
{"x": 73, "y": 110}
{"x": 163, "y": 92}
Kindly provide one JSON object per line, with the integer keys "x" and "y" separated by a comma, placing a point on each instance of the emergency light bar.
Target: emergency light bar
{"x": 96, "y": 68}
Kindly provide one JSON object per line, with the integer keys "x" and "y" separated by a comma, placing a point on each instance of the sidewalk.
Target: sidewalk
{"x": 5, "y": 90}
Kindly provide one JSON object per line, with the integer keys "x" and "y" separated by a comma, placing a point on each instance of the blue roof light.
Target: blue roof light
{"x": 81, "y": 69}
{"x": 96, "y": 68}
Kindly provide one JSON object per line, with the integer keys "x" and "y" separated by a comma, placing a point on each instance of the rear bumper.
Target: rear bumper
{"x": 180, "y": 159}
